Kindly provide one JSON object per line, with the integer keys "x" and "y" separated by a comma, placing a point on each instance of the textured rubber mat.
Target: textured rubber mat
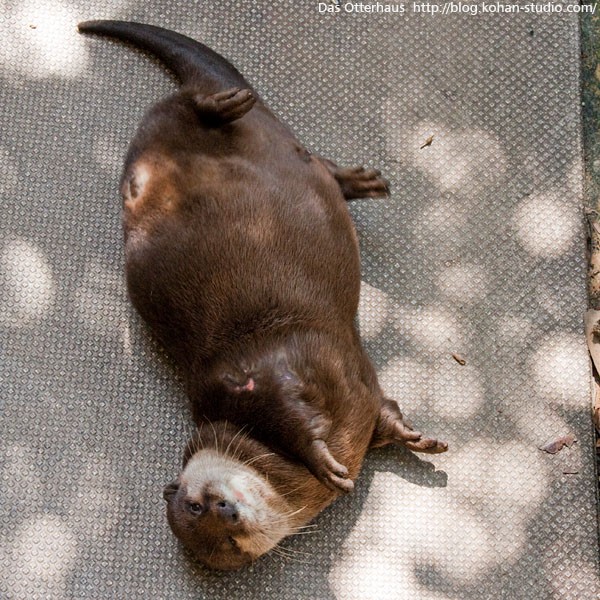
{"x": 478, "y": 253}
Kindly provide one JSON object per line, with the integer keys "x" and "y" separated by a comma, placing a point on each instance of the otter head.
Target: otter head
{"x": 221, "y": 507}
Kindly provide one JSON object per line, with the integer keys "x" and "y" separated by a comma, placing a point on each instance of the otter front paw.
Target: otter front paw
{"x": 328, "y": 470}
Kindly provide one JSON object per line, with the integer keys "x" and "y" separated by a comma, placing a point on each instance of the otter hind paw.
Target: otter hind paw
{"x": 225, "y": 107}
{"x": 392, "y": 428}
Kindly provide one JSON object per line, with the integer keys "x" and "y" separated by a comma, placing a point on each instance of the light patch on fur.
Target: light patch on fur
{"x": 140, "y": 178}
{"x": 135, "y": 185}
{"x": 262, "y": 511}
{"x": 260, "y": 231}
{"x": 150, "y": 189}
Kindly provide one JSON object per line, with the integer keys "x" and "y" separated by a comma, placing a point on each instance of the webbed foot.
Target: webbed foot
{"x": 224, "y": 107}
{"x": 393, "y": 429}
{"x": 358, "y": 182}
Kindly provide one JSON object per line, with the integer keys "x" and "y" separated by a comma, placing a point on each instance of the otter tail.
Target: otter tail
{"x": 191, "y": 61}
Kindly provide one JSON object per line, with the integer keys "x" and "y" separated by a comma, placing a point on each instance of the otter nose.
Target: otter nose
{"x": 226, "y": 510}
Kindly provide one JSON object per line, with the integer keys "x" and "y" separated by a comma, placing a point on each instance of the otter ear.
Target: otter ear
{"x": 170, "y": 490}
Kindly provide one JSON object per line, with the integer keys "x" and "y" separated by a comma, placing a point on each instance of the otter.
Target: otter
{"x": 242, "y": 257}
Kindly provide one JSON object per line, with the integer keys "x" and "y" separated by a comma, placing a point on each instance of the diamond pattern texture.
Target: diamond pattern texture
{"x": 478, "y": 252}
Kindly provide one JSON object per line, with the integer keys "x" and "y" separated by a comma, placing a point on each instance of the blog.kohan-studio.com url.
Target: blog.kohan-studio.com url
{"x": 448, "y": 8}
{"x": 456, "y": 7}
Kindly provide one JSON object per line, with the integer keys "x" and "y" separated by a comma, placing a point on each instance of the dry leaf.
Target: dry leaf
{"x": 558, "y": 444}
{"x": 428, "y": 142}
{"x": 459, "y": 359}
{"x": 592, "y": 317}
{"x": 597, "y": 73}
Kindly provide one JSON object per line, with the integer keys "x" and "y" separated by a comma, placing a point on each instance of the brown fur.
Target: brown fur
{"x": 242, "y": 257}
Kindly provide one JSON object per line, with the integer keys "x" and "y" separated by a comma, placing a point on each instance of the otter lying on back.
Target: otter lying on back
{"x": 242, "y": 257}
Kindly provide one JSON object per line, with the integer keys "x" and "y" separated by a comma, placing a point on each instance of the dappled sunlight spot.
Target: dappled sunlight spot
{"x": 409, "y": 544}
{"x": 560, "y": 367}
{"x": 430, "y": 328}
{"x": 538, "y": 422}
{"x": 366, "y": 574}
{"x": 27, "y": 287}
{"x": 463, "y": 283}
{"x": 405, "y": 377}
{"x": 458, "y": 160}
{"x": 456, "y": 392}
{"x": 512, "y": 485}
{"x": 473, "y": 547}
{"x": 41, "y": 558}
{"x": 480, "y": 523}
{"x": 44, "y": 36}
{"x": 373, "y": 311}
{"x": 98, "y": 300}
{"x": 547, "y": 223}
{"x": 9, "y": 181}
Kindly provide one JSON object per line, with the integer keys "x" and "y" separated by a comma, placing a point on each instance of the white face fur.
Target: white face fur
{"x": 262, "y": 511}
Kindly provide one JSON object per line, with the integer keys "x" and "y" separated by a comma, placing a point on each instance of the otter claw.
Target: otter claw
{"x": 339, "y": 484}
{"x": 226, "y": 106}
{"x": 428, "y": 445}
{"x": 392, "y": 428}
{"x": 358, "y": 182}
{"x": 328, "y": 470}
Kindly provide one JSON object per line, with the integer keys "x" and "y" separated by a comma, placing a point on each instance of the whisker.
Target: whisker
{"x": 280, "y": 552}
{"x": 196, "y": 440}
{"x": 284, "y": 520}
{"x": 295, "y": 512}
{"x": 232, "y": 440}
{"x": 309, "y": 525}
{"x": 293, "y": 491}
{"x": 283, "y": 553}
{"x": 235, "y": 454}
{"x": 215, "y": 434}
{"x": 255, "y": 458}
{"x": 295, "y": 552}
{"x": 190, "y": 444}
{"x": 185, "y": 426}
{"x": 223, "y": 436}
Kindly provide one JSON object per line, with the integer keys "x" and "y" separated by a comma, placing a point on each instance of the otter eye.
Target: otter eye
{"x": 195, "y": 508}
{"x": 233, "y": 543}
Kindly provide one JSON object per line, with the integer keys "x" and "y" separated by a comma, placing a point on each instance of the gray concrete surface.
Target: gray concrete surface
{"x": 479, "y": 251}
